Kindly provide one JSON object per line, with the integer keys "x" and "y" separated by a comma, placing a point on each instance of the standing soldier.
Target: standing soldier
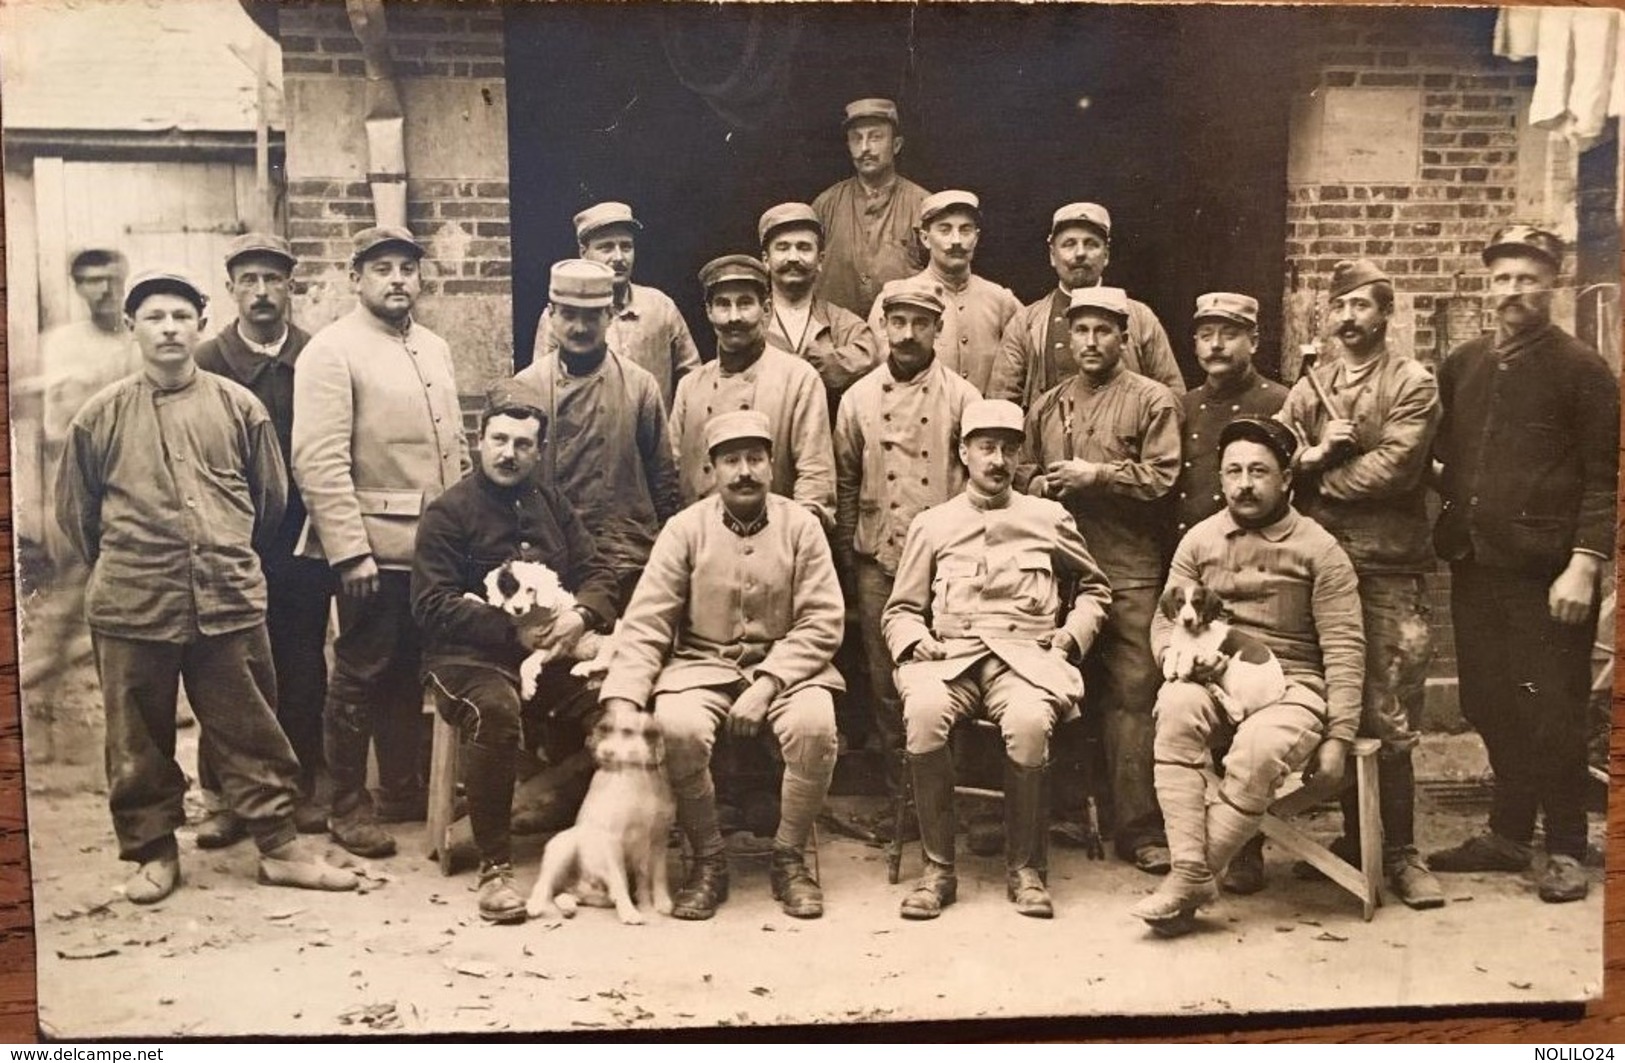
{"x": 646, "y": 328}
{"x": 975, "y": 310}
{"x": 377, "y": 435}
{"x": 169, "y": 479}
{"x": 1361, "y": 474}
{"x": 1530, "y": 448}
{"x": 1226, "y": 340}
{"x": 1106, "y": 444}
{"x": 837, "y": 342}
{"x": 1036, "y": 353}
{"x": 895, "y": 456}
{"x": 259, "y": 351}
{"x": 606, "y": 447}
{"x": 750, "y": 375}
{"x": 869, "y": 218}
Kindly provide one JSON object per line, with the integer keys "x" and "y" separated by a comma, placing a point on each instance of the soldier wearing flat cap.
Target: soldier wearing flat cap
{"x": 749, "y": 374}
{"x": 607, "y": 447}
{"x": 1530, "y": 456}
{"x": 259, "y": 351}
{"x": 1361, "y": 473}
{"x": 835, "y": 341}
{"x": 735, "y": 624}
{"x": 645, "y": 326}
{"x": 1106, "y": 445}
{"x": 377, "y": 434}
{"x": 896, "y": 439}
{"x": 1286, "y": 582}
{"x": 976, "y": 626}
{"x": 502, "y": 512}
{"x": 170, "y": 480}
{"x": 869, "y": 219}
{"x": 975, "y": 310}
{"x": 1035, "y": 353}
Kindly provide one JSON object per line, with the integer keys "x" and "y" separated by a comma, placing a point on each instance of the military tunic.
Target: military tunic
{"x": 973, "y": 322}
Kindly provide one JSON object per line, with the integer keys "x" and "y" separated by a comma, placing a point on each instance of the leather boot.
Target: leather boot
{"x": 938, "y": 887}
{"x": 793, "y": 885}
{"x": 1407, "y": 875}
{"x": 705, "y": 889}
{"x": 1026, "y": 831}
{"x": 347, "y": 733}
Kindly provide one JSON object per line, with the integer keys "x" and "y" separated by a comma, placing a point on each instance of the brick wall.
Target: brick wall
{"x": 448, "y": 64}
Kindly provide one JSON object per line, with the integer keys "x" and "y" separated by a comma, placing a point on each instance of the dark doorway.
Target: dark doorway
{"x": 703, "y": 116}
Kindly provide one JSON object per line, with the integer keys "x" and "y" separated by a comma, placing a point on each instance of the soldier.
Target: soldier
{"x": 736, "y": 623}
{"x": 1530, "y": 453}
{"x": 646, "y": 327}
{"x": 895, "y": 456}
{"x": 169, "y": 480}
{"x": 1361, "y": 475}
{"x": 377, "y": 434}
{"x": 835, "y": 341}
{"x": 1106, "y": 444}
{"x": 259, "y": 351}
{"x": 869, "y": 218}
{"x": 1035, "y": 353}
{"x": 972, "y": 624}
{"x": 606, "y": 449}
{"x": 975, "y": 310}
{"x": 750, "y": 375}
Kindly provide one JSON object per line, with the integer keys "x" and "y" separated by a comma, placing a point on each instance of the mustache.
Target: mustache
{"x": 793, "y": 267}
{"x": 744, "y": 483}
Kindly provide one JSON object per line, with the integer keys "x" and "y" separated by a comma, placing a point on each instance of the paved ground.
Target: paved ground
{"x": 225, "y": 956}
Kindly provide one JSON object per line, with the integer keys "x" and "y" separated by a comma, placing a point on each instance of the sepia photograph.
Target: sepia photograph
{"x": 565, "y": 518}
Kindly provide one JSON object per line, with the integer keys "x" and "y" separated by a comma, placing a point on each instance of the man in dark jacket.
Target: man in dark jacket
{"x": 259, "y": 351}
{"x": 1530, "y": 455}
{"x": 472, "y": 650}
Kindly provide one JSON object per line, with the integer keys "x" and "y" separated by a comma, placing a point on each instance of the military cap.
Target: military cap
{"x": 1354, "y": 273}
{"x": 858, "y": 110}
{"x": 735, "y": 425}
{"x": 921, "y": 294}
{"x": 942, "y": 202}
{"x": 987, "y": 415}
{"x": 170, "y": 280}
{"x": 1113, "y": 301}
{"x": 733, "y": 268}
{"x": 786, "y": 214}
{"x": 1228, "y": 306}
{"x": 577, "y": 282}
{"x": 91, "y": 257}
{"x": 602, "y": 216}
{"x": 259, "y": 244}
{"x": 1093, "y": 215}
{"x": 1525, "y": 240}
{"x": 1271, "y": 433}
{"x": 381, "y": 238}
{"x": 513, "y": 396}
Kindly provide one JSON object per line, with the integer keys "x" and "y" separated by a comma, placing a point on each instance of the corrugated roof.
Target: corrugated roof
{"x": 146, "y": 66}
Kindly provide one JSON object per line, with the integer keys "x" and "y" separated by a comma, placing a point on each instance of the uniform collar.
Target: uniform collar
{"x": 378, "y": 324}
{"x": 739, "y": 527}
{"x": 627, "y": 309}
{"x": 1085, "y": 386}
{"x": 984, "y": 502}
{"x": 1272, "y": 532}
{"x": 1243, "y": 383}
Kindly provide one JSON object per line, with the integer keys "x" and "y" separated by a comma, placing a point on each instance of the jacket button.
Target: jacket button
{"x": 1471, "y": 501}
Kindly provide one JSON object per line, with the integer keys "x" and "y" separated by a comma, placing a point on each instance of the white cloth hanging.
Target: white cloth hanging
{"x": 1579, "y": 72}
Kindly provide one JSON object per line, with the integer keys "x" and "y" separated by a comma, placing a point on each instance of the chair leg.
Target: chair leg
{"x": 1371, "y": 840}
{"x": 442, "y": 791}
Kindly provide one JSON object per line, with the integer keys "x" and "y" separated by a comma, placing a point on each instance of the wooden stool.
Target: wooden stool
{"x": 442, "y": 785}
{"x": 1365, "y": 882}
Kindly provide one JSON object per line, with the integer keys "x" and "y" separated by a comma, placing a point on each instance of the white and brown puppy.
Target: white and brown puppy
{"x": 617, "y": 848}
{"x": 530, "y": 593}
{"x": 1248, "y": 675}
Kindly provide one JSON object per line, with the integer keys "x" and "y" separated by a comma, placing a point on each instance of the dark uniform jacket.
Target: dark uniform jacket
{"x": 1530, "y": 447}
{"x": 472, "y": 528}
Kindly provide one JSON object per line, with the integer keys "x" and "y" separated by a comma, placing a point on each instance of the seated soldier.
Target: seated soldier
{"x": 1286, "y": 582}
{"x": 472, "y": 650}
{"x": 735, "y": 622}
{"x": 972, "y": 625}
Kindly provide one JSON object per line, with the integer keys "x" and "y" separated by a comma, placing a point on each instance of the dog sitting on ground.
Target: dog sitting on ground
{"x": 1249, "y": 676}
{"x": 530, "y": 593}
{"x": 617, "y": 849}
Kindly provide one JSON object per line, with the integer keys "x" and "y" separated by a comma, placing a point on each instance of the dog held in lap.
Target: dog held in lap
{"x": 1241, "y": 673}
{"x": 617, "y": 849}
{"x": 532, "y": 595}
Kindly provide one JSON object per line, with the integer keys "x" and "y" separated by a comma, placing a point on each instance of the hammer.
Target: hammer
{"x": 1309, "y": 353}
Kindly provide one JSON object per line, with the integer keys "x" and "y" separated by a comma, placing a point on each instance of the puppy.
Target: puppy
{"x": 530, "y": 593}
{"x": 1252, "y": 677}
{"x": 618, "y": 844}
